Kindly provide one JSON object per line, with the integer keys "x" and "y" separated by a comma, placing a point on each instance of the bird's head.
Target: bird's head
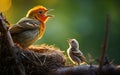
{"x": 39, "y": 13}
{"x": 73, "y": 43}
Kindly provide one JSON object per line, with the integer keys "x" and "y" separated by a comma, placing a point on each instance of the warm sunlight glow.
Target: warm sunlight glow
{"x": 5, "y": 5}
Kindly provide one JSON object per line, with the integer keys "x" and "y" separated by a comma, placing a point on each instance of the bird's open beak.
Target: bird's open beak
{"x": 49, "y": 15}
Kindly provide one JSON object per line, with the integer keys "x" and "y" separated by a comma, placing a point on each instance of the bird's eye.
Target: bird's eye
{"x": 40, "y": 12}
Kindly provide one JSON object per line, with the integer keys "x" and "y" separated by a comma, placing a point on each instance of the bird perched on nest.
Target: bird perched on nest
{"x": 31, "y": 27}
{"x": 74, "y": 54}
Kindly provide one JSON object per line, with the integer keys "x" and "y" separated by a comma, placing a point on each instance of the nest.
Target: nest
{"x": 36, "y": 60}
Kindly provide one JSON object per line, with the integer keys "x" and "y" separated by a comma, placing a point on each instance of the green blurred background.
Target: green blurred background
{"x": 83, "y": 20}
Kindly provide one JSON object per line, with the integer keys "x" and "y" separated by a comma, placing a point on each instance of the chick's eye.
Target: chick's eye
{"x": 40, "y": 12}
{"x": 72, "y": 41}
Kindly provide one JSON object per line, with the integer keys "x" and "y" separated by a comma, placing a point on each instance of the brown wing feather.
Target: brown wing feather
{"x": 80, "y": 55}
{"x": 24, "y": 25}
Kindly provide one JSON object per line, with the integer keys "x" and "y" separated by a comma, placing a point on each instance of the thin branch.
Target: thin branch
{"x": 105, "y": 43}
{"x": 4, "y": 30}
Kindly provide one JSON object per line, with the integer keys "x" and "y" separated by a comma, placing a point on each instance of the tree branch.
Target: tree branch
{"x": 4, "y": 30}
{"x": 87, "y": 70}
{"x": 8, "y": 52}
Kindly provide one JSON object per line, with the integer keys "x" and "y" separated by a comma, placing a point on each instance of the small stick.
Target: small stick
{"x": 105, "y": 43}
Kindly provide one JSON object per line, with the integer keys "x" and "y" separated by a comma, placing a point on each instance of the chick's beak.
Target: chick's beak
{"x": 49, "y": 15}
{"x": 69, "y": 40}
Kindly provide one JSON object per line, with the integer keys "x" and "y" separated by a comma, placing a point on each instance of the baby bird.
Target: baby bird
{"x": 73, "y": 52}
